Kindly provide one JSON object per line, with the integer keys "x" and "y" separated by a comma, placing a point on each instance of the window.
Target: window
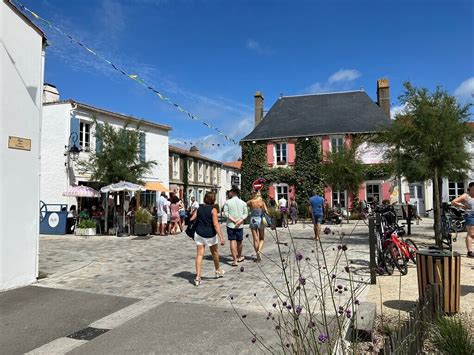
{"x": 455, "y": 189}
{"x": 214, "y": 174}
{"x": 373, "y": 192}
{"x": 339, "y": 199}
{"x": 175, "y": 167}
{"x": 280, "y": 153}
{"x": 190, "y": 169}
{"x": 207, "y": 170}
{"x": 85, "y": 136}
{"x": 200, "y": 171}
{"x": 337, "y": 144}
{"x": 281, "y": 191}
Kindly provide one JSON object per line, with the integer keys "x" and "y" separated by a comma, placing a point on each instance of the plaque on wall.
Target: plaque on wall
{"x": 19, "y": 143}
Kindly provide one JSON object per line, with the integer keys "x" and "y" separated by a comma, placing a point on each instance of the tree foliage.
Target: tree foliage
{"x": 119, "y": 156}
{"x": 427, "y": 140}
{"x": 254, "y": 165}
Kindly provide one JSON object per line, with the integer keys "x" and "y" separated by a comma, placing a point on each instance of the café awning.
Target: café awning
{"x": 156, "y": 186}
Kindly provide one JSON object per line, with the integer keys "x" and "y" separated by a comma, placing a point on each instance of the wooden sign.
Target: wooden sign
{"x": 19, "y": 143}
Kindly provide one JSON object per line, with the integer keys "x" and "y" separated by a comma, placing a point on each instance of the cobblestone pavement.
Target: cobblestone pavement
{"x": 163, "y": 267}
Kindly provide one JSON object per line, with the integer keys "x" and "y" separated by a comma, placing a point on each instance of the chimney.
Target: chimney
{"x": 50, "y": 93}
{"x": 258, "y": 107}
{"x": 383, "y": 95}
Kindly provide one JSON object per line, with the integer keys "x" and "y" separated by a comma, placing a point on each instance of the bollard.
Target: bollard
{"x": 372, "y": 246}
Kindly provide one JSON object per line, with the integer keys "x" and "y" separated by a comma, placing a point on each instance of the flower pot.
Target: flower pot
{"x": 276, "y": 222}
{"x": 86, "y": 232}
{"x": 142, "y": 229}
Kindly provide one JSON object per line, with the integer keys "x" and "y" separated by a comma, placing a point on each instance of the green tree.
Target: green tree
{"x": 117, "y": 157}
{"x": 254, "y": 166}
{"x": 427, "y": 141}
{"x": 344, "y": 171}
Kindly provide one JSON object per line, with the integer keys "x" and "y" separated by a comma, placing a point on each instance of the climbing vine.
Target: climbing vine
{"x": 377, "y": 171}
{"x": 254, "y": 166}
{"x": 185, "y": 180}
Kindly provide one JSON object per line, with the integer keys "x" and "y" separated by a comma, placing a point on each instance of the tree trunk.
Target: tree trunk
{"x": 437, "y": 209}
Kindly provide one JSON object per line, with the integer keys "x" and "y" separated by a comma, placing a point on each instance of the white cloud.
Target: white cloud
{"x": 343, "y": 79}
{"x": 344, "y": 75}
{"x": 257, "y": 47}
{"x": 395, "y": 110}
{"x": 465, "y": 91}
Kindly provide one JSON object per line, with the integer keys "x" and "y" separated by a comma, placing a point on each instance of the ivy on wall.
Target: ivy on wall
{"x": 185, "y": 180}
{"x": 377, "y": 171}
{"x": 254, "y": 166}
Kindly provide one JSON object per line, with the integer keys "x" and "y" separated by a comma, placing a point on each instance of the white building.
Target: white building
{"x": 68, "y": 123}
{"x": 230, "y": 177}
{"x": 22, "y": 47}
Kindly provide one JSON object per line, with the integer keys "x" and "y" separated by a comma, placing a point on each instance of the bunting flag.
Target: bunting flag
{"x": 202, "y": 144}
{"x": 133, "y": 76}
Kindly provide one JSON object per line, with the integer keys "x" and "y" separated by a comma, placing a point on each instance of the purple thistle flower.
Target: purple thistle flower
{"x": 284, "y": 303}
{"x": 345, "y": 288}
{"x": 254, "y": 295}
{"x": 302, "y": 280}
{"x": 253, "y": 340}
{"x": 274, "y": 305}
{"x": 340, "y": 291}
{"x": 231, "y": 297}
{"x": 298, "y": 309}
{"x": 333, "y": 276}
{"x": 288, "y": 307}
{"x": 339, "y": 287}
{"x": 347, "y": 269}
{"x": 242, "y": 269}
{"x": 327, "y": 230}
{"x": 244, "y": 316}
{"x": 357, "y": 302}
{"x": 344, "y": 247}
{"x": 299, "y": 256}
{"x": 339, "y": 247}
{"x": 323, "y": 338}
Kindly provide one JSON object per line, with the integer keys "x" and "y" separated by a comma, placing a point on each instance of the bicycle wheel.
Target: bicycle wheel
{"x": 388, "y": 262}
{"x": 398, "y": 259}
{"x": 412, "y": 249}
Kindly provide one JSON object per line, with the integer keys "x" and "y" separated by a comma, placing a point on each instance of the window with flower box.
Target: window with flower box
{"x": 281, "y": 155}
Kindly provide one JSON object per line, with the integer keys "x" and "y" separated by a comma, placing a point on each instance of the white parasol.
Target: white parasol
{"x": 81, "y": 191}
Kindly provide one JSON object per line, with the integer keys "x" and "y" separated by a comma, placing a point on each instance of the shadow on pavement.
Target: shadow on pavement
{"x": 402, "y": 305}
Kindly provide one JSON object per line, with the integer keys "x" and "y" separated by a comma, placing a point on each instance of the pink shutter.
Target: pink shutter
{"x": 270, "y": 155}
{"x": 325, "y": 146}
{"x": 271, "y": 191}
{"x": 348, "y": 140}
{"x": 291, "y": 153}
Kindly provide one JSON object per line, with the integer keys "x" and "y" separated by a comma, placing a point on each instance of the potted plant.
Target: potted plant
{"x": 275, "y": 215}
{"x": 142, "y": 221}
{"x": 86, "y": 227}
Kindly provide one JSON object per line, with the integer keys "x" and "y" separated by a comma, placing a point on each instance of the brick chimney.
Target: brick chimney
{"x": 258, "y": 107}
{"x": 383, "y": 95}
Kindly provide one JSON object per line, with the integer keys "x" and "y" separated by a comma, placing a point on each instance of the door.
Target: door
{"x": 417, "y": 197}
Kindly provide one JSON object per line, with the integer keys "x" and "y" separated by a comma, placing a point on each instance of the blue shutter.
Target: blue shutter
{"x": 98, "y": 140}
{"x": 75, "y": 128}
{"x": 142, "y": 146}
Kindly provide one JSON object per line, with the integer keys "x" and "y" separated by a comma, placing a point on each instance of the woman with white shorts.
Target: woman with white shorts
{"x": 466, "y": 202}
{"x": 208, "y": 230}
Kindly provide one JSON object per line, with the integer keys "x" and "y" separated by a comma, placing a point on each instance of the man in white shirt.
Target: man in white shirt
{"x": 235, "y": 210}
{"x": 194, "y": 204}
{"x": 162, "y": 213}
{"x": 283, "y": 204}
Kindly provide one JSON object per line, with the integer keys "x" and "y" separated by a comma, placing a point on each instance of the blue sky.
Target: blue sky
{"x": 211, "y": 56}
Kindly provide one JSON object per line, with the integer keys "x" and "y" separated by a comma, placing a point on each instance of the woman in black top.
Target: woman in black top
{"x": 207, "y": 231}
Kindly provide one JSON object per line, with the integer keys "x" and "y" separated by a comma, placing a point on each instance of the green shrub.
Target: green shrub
{"x": 450, "y": 335}
{"x": 86, "y": 223}
{"x": 142, "y": 216}
{"x": 274, "y": 213}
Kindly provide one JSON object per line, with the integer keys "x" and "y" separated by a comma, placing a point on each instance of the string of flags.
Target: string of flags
{"x": 203, "y": 144}
{"x": 133, "y": 76}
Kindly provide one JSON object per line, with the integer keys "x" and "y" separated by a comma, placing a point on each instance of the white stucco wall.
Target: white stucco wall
{"x": 56, "y": 135}
{"x": 226, "y": 184}
{"x": 21, "y": 82}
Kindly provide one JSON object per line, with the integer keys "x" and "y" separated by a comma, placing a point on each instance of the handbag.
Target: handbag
{"x": 191, "y": 229}
{"x": 266, "y": 219}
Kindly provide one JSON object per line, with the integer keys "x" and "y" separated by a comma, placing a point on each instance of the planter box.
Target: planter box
{"x": 142, "y": 229}
{"x": 87, "y": 232}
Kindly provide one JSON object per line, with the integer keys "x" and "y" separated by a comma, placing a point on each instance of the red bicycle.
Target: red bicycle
{"x": 397, "y": 251}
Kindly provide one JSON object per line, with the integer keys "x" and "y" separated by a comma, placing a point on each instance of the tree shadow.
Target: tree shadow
{"x": 402, "y": 305}
{"x": 466, "y": 289}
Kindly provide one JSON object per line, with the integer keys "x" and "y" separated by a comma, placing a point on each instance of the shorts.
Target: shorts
{"x": 182, "y": 214}
{"x": 235, "y": 234}
{"x": 163, "y": 218}
{"x": 256, "y": 223}
{"x": 469, "y": 217}
{"x": 205, "y": 241}
{"x": 318, "y": 218}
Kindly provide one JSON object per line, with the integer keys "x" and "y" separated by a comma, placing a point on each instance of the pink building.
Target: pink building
{"x": 335, "y": 118}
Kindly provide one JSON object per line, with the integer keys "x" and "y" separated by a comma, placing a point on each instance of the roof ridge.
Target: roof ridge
{"x": 325, "y": 93}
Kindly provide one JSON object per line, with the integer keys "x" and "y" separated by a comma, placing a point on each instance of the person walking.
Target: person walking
{"x": 257, "y": 208}
{"x": 235, "y": 210}
{"x": 174, "y": 215}
{"x": 293, "y": 210}
{"x": 194, "y": 205}
{"x": 317, "y": 208}
{"x": 162, "y": 213}
{"x": 283, "y": 205}
{"x": 208, "y": 230}
{"x": 466, "y": 202}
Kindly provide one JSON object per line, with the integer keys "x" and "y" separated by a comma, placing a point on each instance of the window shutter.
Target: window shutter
{"x": 98, "y": 140}
{"x": 142, "y": 146}
{"x": 75, "y": 128}
{"x": 270, "y": 155}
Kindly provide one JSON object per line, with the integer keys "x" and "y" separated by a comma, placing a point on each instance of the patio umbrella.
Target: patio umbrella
{"x": 81, "y": 191}
{"x": 122, "y": 186}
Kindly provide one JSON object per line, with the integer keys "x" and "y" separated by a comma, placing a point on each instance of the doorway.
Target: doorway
{"x": 417, "y": 197}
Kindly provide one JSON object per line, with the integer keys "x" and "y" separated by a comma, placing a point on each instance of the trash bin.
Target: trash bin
{"x": 441, "y": 267}
{"x": 53, "y": 218}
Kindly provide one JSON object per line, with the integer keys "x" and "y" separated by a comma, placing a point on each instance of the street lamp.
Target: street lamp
{"x": 71, "y": 150}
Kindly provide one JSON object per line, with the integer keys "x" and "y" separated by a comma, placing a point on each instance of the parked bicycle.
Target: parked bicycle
{"x": 397, "y": 252}
{"x": 449, "y": 225}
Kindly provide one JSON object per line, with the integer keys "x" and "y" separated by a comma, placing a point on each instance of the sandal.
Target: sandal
{"x": 219, "y": 273}
{"x": 197, "y": 282}
{"x": 242, "y": 258}
{"x": 234, "y": 264}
